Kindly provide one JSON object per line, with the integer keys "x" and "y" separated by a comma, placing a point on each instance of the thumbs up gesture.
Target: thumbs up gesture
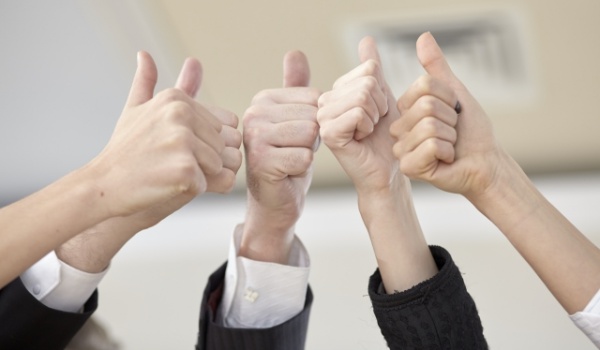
{"x": 280, "y": 136}
{"x": 355, "y": 117}
{"x": 166, "y": 148}
{"x": 444, "y": 136}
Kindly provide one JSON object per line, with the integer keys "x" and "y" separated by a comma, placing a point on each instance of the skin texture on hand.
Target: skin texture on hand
{"x": 355, "y": 117}
{"x": 162, "y": 148}
{"x": 428, "y": 145}
{"x": 166, "y": 149}
{"x": 461, "y": 154}
{"x": 93, "y": 249}
{"x": 280, "y": 133}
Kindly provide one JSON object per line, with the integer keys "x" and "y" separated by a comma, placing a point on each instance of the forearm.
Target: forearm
{"x": 402, "y": 254}
{"x": 42, "y": 221}
{"x": 92, "y": 250}
{"x": 268, "y": 235}
{"x": 566, "y": 261}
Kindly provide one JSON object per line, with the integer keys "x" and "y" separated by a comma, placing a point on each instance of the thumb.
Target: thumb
{"x": 296, "y": 72}
{"x": 144, "y": 81}
{"x": 367, "y": 50}
{"x": 190, "y": 77}
{"x": 432, "y": 58}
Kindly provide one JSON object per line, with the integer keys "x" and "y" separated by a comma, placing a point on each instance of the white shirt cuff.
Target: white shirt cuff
{"x": 60, "y": 286}
{"x": 588, "y": 320}
{"x": 262, "y": 294}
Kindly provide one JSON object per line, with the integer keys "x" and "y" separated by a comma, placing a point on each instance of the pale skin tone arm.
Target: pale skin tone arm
{"x": 164, "y": 151}
{"x": 280, "y": 136}
{"x": 354, "y": 118}
{"x": 461, "y": 155}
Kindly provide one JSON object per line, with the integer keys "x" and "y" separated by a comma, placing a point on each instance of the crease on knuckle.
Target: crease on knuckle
{"x": 424, "y": 84}
{"x": 261, "y": 97}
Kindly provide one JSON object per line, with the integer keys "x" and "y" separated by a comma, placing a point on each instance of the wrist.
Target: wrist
{"x": 509, "y": 197}
{"x": 385, "y": 200}
{"x": 266, "y": 245}
{"x": 94, "y": 194}
{"x": 402, "y": 254}
{"x": 92, "y": 250}
{"x": 268, "y": 233}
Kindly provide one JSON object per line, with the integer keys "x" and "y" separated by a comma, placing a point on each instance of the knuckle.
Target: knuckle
{"x": 364, "y": 97}
{"x": 431, "y": 145}
{"x": 372, "y": 66}
{"x": 252, "y": 115}
{"x": 236, "y": 138}
{"x": 251, "y": 136}
{"x": 261, "y": 97}
{"x": 169, "y": 95}
{"x": 430, "y": 125}
{"x": 428, "y": 105}
{"x": 178, "y": 112}
{"x": 323, "y": 100}
{"x": 301, "y": 158}
{"x": 213, "y": 166}
{"x": 424, "y": 84}
{"x": 237, "y": 162}
{"x": 254, "y": 155}
{"x": 322, "y": 116}
{"x": 185, "y": 174}
{"x": 178, "y": 138}
{"x": 227, "y": 180}
{"x": 327, "y": 135}
{"x": 371, "y": 83}
{"x": 339, "y": 81}
{"x": 228, "y": 118}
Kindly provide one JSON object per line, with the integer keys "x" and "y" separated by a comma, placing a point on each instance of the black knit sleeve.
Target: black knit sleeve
{"x": 436, "y": 314}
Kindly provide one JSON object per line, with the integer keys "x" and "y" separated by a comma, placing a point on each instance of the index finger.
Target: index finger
{"x": 427, "y": 85}
{"x": 225, "y": 116}
{"x": 290, "y": 95}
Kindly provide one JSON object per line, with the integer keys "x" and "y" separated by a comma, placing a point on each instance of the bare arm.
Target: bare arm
{"x": 280, "y": 132}
{"x": 164, "y": 151}
{"x": 473, "y": 164}
{"x": 354, "y": 119}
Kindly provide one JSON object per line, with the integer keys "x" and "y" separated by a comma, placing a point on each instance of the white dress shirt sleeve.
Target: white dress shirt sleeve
{"x": 262, "y": 294}
{"x": 588, "y": 320}
{"x": 58, "y": 285}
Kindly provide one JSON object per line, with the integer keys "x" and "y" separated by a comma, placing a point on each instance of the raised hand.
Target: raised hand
{"x": 163, "y": 147}
{"x": 455, "y": 152}
{"x": 280, "y": 136}
{"x": 458, "y": 152}
{"x": 189, "y": 81}
{"x": 93, "y": 249}
{"x": 165, "y": 150}
{"x": 355, "y": 117}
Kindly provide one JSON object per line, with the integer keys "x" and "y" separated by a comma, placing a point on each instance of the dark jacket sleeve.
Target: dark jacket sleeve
{"x": 26, "y": 323}
{"x": 436, "y": 314}
{"x": 290, "y": 335}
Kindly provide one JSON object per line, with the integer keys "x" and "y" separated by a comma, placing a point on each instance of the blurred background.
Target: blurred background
{"x": 65, "y": 71}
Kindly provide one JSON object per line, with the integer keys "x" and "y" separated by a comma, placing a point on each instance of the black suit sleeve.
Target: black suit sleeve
{"x": 290, "y": 335}
{"x": 26, "y": 323}
{"x": 436, "y": 314}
